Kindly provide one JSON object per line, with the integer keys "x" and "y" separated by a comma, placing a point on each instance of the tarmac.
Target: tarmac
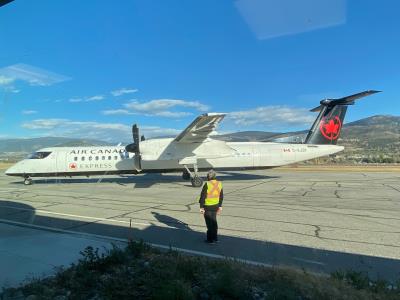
{"x": 320, "y": 221}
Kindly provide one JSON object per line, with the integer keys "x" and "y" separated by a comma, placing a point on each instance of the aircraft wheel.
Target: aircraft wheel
{"x": 197, "y": 181}
{"x": 27, "y": 181}
{"x": 185, "y": 175}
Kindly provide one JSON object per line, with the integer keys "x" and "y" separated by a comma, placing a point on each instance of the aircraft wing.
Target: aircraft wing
{"x": 200, "y": 128}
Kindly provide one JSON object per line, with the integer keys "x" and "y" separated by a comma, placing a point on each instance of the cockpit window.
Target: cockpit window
{"x": 39, "y": 155}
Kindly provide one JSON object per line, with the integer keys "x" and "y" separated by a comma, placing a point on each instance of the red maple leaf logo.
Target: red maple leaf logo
{"x": 73, "y": 166}
{"x": 330, "y": 129}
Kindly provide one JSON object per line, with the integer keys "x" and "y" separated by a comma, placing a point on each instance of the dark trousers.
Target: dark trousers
{"x": 210, "y": 216}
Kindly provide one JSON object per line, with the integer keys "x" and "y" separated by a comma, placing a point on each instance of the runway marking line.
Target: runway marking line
{"x": 165, "y": 247}
{"x": 74, "y": 216}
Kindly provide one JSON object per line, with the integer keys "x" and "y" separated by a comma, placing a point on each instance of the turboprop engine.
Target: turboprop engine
{"x": 135, "y": 147}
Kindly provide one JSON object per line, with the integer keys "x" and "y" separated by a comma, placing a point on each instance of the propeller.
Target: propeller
{"x": 134, "y": 147}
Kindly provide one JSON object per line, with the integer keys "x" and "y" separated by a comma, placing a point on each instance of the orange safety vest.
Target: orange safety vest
{"x": 214, "y": 188}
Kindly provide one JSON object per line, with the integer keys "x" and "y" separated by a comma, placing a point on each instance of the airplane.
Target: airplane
{"x": 193, "y": 150}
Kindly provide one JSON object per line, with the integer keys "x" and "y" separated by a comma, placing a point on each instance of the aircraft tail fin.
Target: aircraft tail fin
{"x": 327, "y": 126}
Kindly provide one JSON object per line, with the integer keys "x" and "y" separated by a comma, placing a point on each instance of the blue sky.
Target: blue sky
{"x": 92, "y": 68}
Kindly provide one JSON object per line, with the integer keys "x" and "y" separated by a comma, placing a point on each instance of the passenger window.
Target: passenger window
{"x": 83, "y": 158}
{"x": 103, "y": 158}
{"x": 116, "y": 157}
{"x": 90, "y": 158}
{"x": 97, "y": 158}
{"x": 75, "y": 158}
{"x": 109, "y": 158}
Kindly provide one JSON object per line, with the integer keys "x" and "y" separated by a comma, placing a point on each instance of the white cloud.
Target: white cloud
{"x": 29, "y": 112}
{"x": 44, "y": 123}
{"x": 123, "y": 91}
{"x": 86, "y": 99}
{"x": 32, "y": 75}
{"x": 95, "y": 98}
{"x": 117, "y": 112}
{"x": 112, "y": 132}
{"x": 158, "y": 107}
{"x": 272, "y": 117}
{"x": 172, "y": 114}
{"x": 4, "y": 80}
{"x": 7, "y": 84}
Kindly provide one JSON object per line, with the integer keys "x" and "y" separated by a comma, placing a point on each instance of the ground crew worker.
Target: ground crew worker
{"x": 211, "y": 198}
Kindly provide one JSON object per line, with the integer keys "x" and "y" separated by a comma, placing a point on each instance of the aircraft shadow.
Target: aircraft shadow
{"x": 177, "y": 235}
{"x": 144, "y": 180}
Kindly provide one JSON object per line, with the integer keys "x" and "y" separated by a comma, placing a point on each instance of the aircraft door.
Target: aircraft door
{"x": 262, "y": 155}
{"x": 50, "y": 162}
{"x": 256, "y": 156}
{"x": 62, "y": 164}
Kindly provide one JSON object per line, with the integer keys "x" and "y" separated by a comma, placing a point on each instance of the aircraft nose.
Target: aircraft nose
{"x": 10, "y": 170}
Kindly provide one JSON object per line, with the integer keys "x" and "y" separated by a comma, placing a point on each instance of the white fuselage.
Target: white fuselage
{"x": 165, "y": 155}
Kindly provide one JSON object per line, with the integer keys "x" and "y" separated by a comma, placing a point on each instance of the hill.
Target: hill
{"x": 372, "y": 140}
{"x": 375, "y": 131}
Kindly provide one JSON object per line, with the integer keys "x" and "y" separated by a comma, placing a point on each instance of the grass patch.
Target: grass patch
{"x": 142, "y": 272}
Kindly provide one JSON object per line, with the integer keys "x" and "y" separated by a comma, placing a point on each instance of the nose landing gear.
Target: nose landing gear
{"x": 27, "y": 180}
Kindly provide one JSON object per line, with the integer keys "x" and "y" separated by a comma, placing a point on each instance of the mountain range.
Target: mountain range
{"x": 33, "y": 144}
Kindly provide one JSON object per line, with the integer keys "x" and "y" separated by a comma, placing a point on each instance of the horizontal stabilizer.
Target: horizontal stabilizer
{"x": 4, "y": 2}
{"x": 349, "y": 100}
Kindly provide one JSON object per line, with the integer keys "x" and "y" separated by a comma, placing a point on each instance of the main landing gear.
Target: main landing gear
{"x": 194, "y": 177}
{"x": 27, "y": 180}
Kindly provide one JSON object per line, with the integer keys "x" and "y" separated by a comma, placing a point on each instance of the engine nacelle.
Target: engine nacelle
{"x": 132, "y": 148}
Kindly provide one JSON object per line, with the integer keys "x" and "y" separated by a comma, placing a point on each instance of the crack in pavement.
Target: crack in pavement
{"x": 317, "y": 231}
{"x": 251, "y": 186}
{"x": 342, "y": 240}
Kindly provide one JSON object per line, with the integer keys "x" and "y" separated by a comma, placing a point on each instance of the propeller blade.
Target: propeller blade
{"x": 135, "y": 135}
{"x": 134, "y": 147}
